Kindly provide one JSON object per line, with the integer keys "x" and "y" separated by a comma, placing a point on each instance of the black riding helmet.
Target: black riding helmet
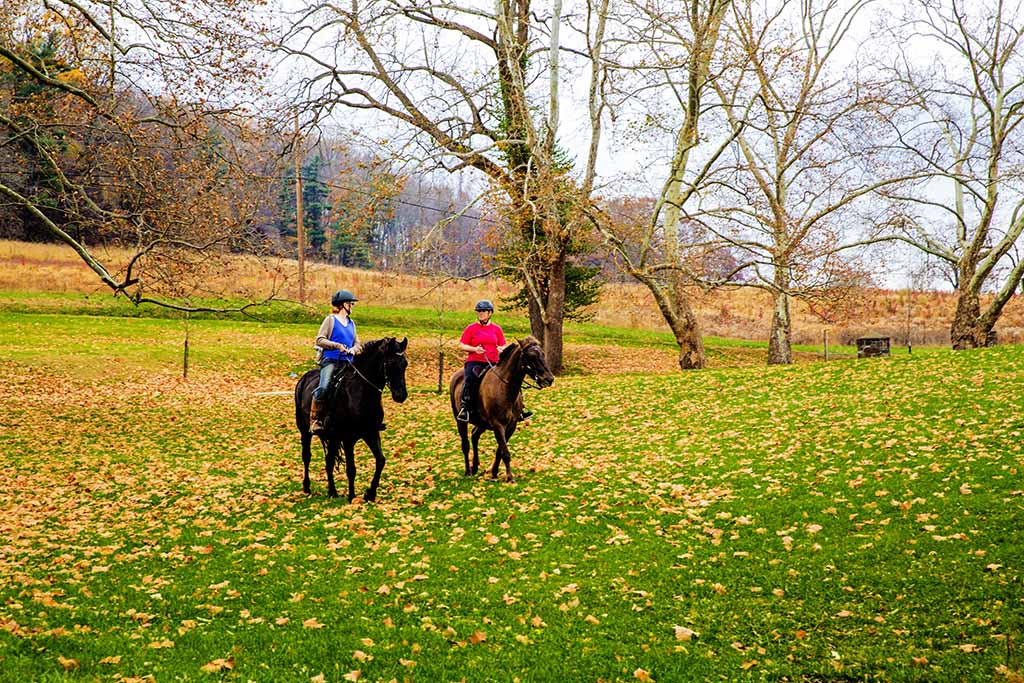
{"x": 342, "y": 296}
{"x": 484, "y": 305}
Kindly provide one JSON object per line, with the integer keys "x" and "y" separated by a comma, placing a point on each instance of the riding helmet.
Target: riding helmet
{"x": 484, "y": 305}
{"x": 342, "y": 296}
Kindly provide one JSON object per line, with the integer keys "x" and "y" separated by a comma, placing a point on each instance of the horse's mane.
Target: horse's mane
{"x": 529, "y": 340}
{"x": 374, "y": 346}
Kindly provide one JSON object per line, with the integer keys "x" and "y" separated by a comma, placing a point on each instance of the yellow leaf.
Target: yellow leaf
{"x": 67, "y": 664}
{"x": 353, "y": 675}
{"x": 312, "y": 623}
{"x": 115, "y": 659}
{"x": 684, "y": 633}
{"x": 216, "y": 665}
{"x": 642, "y": 675}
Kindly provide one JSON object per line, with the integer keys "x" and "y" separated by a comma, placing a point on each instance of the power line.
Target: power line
{"x": 334, "y": 185}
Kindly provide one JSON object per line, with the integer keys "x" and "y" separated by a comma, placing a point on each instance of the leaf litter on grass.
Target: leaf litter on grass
{"x": 842, "y": 519}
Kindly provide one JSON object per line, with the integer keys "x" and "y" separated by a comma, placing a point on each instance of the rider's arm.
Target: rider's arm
{"x": 467, "y": 337}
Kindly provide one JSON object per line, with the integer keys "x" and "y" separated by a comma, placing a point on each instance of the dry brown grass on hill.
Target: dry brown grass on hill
{"x": 741, "y": 313}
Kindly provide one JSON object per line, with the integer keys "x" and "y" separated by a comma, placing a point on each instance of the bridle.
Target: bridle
{"x": 383, "y": 369}
{"x": 526, "y": 371}
{"x": 380, "y": 389}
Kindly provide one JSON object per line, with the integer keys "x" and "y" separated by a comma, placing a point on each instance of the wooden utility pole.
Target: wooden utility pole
{"x": 300, "y": 228}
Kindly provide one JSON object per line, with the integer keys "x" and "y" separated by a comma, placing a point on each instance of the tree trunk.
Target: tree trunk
{"x": 675, "y": 308}
{"x": 687, "y": 333}
{"x": 555, "y": 315}
{"x": 779, "y": 350}
{"x": 968, "y": 331}
{"x": 536, "y": 319}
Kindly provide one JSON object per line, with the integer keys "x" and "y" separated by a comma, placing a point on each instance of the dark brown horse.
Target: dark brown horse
{"x": 500, "y": 400}
{"x": 353, "y": 411}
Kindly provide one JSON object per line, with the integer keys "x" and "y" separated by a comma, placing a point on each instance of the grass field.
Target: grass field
{"x": 849, "y": 521}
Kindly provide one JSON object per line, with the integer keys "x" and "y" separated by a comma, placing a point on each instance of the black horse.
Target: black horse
{"x": 353, "y": 410}
{"x": 500, "y": 401}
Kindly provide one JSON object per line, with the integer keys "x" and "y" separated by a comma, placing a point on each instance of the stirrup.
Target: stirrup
{"x": 316, "y": 427}
{"x": 525, "y": 415}
{"x": 463, "y": 415}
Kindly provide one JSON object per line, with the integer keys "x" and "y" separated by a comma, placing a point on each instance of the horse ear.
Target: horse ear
{"x": 402, "y": 344}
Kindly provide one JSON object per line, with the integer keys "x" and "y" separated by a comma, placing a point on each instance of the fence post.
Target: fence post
{"x": 826, "y": 345}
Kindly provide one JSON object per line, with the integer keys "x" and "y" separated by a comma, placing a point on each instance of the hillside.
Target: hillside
{"x": 738, "y": 314}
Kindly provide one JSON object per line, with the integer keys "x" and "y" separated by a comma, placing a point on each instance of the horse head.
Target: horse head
{"x": 395, "y": 364}
{"x": 533, "y": 363}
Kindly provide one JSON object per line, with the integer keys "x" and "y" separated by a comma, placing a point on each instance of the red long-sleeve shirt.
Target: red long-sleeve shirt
{"x": 490, "y": 336}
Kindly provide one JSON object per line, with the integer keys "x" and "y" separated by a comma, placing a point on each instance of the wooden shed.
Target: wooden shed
{"x": 871, "y": 347}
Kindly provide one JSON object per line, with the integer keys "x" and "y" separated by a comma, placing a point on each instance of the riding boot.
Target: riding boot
{"x": 316, "y": 410}
{"x": 463, "y": 415}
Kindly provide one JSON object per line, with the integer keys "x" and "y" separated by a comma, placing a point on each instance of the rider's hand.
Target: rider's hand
{"x": 479, "y": 348}
{"x": 357, "y": 348}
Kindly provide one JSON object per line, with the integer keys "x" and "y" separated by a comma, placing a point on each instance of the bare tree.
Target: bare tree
{"x": 668, "y": 49}
{"x": 469, "y": 87}
{"x": 111, "y": 116}
{"x": 970, "y": 101}
{"x": 808, "y": 152}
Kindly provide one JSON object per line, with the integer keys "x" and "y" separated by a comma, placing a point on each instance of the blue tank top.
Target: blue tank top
{"x": 342, "y": 334}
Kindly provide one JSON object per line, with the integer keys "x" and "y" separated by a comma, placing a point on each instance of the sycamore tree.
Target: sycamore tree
{"x": 662, "y": 58}
{"x": 115, "y": 119}
{"x": 469, "y": 86}
{"x": 968, "y": 97}
{"x": 811, "y": 149}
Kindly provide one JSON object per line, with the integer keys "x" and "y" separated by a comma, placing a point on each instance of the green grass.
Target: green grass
{"x": 421, "y": 321}
{"x": 857, "y": 520}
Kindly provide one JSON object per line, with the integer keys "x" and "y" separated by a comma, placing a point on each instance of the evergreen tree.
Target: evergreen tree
{"x": 315, "y": 207}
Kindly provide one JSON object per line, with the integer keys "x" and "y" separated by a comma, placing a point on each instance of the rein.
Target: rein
{"x": 528, "y": 385}
{"x": 383, "y": 368}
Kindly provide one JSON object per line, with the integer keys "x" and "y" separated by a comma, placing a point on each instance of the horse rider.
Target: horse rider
{"x": 336, "y": 342}
{"x": 483, "y": 341}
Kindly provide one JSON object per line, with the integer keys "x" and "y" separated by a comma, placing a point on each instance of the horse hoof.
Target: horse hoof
{"x": 305, "y": 489}
{"x": 370, "y": 497}
{"x": 332, "y": 494}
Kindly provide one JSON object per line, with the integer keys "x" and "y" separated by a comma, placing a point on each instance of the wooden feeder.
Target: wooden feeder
{"x": 872, "y": 347}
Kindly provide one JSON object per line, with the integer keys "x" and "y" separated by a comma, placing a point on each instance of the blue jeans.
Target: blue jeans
{"x": 326, "y": 371}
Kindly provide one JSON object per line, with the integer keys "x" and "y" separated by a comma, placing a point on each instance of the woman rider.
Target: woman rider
{"x": 336, "y": 341}
{"x": 483, "y": 341}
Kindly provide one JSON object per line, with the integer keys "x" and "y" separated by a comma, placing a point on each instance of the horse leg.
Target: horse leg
{"x": 307, "y": 455}
{"x": 350, "y": 467}
{"x": 330, "y": 456}
{"x": 378, "y": 460}
{"x": 465, "y": 445}
{"x": 502, "y": 454}
{"x": 499, "y": 436}
{"x": 508, "y": 453}
{"x": 477, "y": 432}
